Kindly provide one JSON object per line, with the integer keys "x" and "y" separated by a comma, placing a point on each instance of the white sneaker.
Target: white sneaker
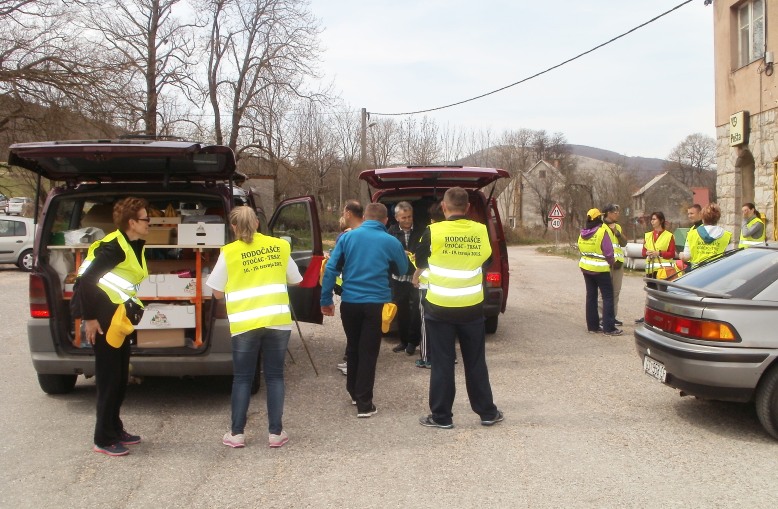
{"x": 342, "y": 365}
{"x": 278, "y": 440}
{"x": 234, "y": 440}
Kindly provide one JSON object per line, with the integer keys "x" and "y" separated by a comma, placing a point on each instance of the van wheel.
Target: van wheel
{"x": 767, "y": 402}
{"x": 25, "y": 261}
{"x": 57, "y": 384}
{"x": 491, "y": 324}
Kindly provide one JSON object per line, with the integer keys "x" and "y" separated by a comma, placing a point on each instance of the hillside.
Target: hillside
{"x": 643, "y": 168}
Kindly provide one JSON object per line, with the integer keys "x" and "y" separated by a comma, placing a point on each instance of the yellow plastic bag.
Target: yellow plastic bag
{"x": 387, "y": 315}
{"x": 120, "y": 327}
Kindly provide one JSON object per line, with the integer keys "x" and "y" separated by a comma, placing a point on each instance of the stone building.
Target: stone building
{"x": 666, "y": 194}
{"x": 745, "y": 45}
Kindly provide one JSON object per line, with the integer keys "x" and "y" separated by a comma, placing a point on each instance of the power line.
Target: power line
{"x": 539, "y": 73}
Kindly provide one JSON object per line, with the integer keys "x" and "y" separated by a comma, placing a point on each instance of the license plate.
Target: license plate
{"x": 654, "y": 368}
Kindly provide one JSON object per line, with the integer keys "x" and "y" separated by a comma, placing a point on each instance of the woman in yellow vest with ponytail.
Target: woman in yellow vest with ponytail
{"x": 253, "y": 273}
{"x": 104, "y": 292}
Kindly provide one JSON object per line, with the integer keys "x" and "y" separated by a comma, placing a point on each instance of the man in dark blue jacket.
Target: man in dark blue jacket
{"x": 365, "y": 257}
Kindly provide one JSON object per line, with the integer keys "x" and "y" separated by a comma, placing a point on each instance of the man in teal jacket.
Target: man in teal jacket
{"x": 365, "y": 256}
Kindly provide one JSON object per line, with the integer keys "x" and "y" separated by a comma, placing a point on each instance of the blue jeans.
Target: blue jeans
{"x": 245, "y": 349}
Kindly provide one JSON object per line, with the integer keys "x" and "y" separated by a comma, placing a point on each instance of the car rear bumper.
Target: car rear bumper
{"x": 711, "y": 372}
{"x": 47, "y": 359}
{"x": 492, "y": 301}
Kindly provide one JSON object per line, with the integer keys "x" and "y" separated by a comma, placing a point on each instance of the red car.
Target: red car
{"x": 424, "y": 185}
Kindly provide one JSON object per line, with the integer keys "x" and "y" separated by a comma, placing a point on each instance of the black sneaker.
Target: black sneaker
{"x": 410, "y": 349}
{"x": 400, "y": 347}
{"x": 112, "y": 450}
{"x": 640, "y": 320}
{"x": 490, "y": 422}
{"x": 614, "y": 332}
{"x": 428, "y": 421}
{"x": 368, "y": 413}
{"x": 128, "y": 439}
{"x": 618, "y": 322}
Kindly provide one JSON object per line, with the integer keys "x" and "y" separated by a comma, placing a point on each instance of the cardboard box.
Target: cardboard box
{"x": 201, "y": 234}
{"x": 168, "y": 338}
{"x": 164, "y": 221}
{"x": 167, "y": 316}
{"x": 160, "y": 235}
{"x": 147, "y": 288}
{"x": 170, "y": 285}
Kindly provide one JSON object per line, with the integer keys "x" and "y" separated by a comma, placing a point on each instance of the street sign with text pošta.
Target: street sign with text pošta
{"x": 556, "y": 212}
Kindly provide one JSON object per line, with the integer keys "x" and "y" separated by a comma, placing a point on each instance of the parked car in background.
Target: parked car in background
{"x": 424, "y": 185}
{"x": 711, "y": 333}
{"x": 17, "y": 236}
{"x": 3, "y": 203}
{"x": 17, "y": 206}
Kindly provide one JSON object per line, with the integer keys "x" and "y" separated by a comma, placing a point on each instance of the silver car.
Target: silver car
{"x": 17, "y": 237}
{"x": 17, "y": 206}
{"x": 712, "y": 333}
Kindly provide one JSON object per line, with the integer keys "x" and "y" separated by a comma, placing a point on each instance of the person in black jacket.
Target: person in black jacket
{"x": 404, "y": 294}
{"x": 104, "y": 298}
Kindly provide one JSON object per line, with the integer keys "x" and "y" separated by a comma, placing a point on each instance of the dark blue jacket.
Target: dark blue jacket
{"x": 365, "y": 257}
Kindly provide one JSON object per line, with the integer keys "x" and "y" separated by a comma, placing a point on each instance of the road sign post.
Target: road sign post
{"x": 556, "y": 215}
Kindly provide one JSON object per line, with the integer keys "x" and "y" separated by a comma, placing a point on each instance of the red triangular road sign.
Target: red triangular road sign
{"x": 556, "y": 212}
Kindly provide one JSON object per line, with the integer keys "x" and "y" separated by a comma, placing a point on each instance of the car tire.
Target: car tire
{"x": 491, "y": 324}
{"x": 767, "y": 401}
{"x": 25, "y": 260}
{"x": 57, "y": 384}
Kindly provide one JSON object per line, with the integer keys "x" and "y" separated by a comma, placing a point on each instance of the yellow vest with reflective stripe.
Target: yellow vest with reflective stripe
{"x": 752, "y": 241}
{"x": 618, "y": 251}
{"x": 256, "y": 289}
{"x": 458, "y": 249}
{"x": 121, "y": 283}
{"x": 700, "y": 251}
{"x": 662, "y": 243}
{"x": 592, "y": 258}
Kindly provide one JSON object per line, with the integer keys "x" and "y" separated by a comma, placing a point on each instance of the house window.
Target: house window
{"x": 751, "y": 31}
{"x": 512, "y": 222}
{"x": 542, "y": 174}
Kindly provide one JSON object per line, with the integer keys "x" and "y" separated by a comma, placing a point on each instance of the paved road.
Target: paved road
{"x": 584, "y": 427}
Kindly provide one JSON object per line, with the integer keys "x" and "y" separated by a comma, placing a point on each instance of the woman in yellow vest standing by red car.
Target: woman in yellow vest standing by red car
{"x": 252, "y": 273}
{"x": 104, "y": 297}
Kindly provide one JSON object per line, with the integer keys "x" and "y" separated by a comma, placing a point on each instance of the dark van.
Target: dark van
{"x": 190, "y": 190}
{"x": 424, "y": 185}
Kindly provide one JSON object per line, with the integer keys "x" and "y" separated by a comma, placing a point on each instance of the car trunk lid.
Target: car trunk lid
{"x": 437, "y": 177}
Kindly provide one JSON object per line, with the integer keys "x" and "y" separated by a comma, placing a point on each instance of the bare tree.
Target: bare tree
{"x": 692, "y": 157}
{"x": 151, "y": 51}
{"x": 452, "y": 144}
{"x": 348, "y": 126}
{"x": 383, "y": 140}
{"x": 316, "y": 152}
{"x": 255, "y": 45}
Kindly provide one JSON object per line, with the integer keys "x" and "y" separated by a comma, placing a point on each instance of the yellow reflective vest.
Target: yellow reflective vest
{"x": 752, "y": 241}
{"x": 592, "y": 258}
{"x": 121, "y": 283}
{"x": 618, "y": 251}
{"x": 458, "y": 250}
{"x": 256, "y": 291}
{"x": 662, "y": 244}
{"x": 700, "y": 251}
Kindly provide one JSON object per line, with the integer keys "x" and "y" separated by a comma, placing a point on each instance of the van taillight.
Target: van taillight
{"x": 708, "y": 330}
{"x": 493, "y": 279}
{"x": 39, "y": 307}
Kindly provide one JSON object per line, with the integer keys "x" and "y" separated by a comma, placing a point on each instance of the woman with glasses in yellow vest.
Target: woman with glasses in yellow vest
{"x": 104, "y": 298}
{"x": 253, "y": 273}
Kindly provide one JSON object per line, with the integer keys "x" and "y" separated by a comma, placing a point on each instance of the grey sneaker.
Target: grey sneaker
{"x": 234, "y": 441}
{"x": 278, "y": 440}
{"x": 368, "y": 413}
{"x": 614, "y": 332}
{"x": 428, "y": 421}
{"x": 490, "y": 422}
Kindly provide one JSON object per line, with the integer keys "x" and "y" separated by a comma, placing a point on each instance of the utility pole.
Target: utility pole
{"x": 363, "y": 153}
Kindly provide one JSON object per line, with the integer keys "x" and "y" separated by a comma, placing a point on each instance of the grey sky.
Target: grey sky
{"x": 638, "y": 96}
